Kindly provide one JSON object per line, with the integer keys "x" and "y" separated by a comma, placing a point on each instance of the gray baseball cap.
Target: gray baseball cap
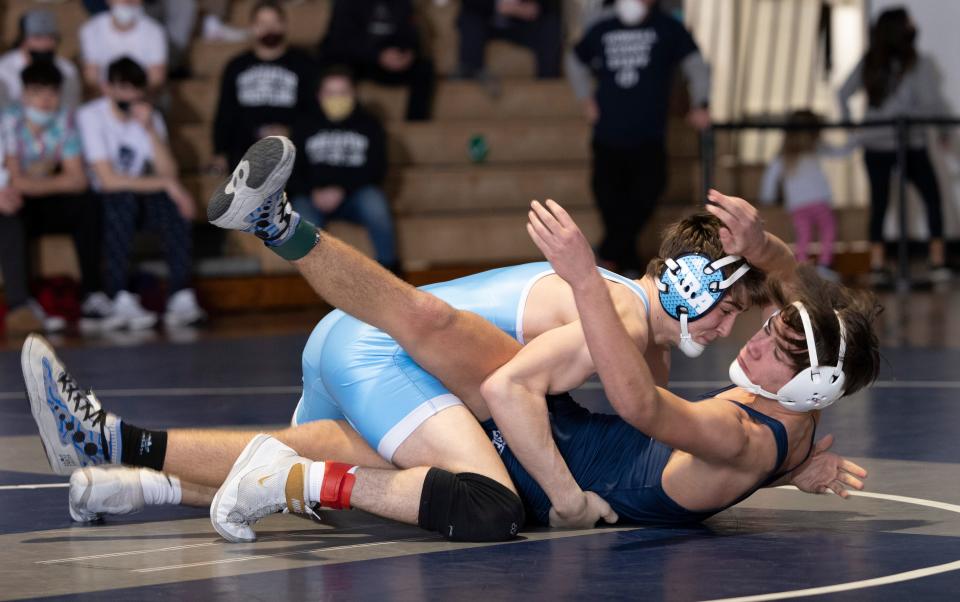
{"x": 39, "y": 22}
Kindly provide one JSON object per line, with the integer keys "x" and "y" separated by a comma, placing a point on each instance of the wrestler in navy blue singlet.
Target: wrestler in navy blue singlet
{"x": 619, "y": 463}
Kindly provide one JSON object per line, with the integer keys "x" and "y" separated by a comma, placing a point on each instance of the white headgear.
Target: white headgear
{"x": 814, "y": 388}
{"x": 691, "y": 285}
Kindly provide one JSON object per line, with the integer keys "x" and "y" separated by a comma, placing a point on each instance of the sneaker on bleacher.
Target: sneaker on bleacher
{"x": 129, "y": 314}
{"x": 183, "y": 309}
{"x": 215, "y": 30}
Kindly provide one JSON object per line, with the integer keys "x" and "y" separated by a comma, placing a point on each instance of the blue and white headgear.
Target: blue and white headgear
{"x": 691, "y": 285}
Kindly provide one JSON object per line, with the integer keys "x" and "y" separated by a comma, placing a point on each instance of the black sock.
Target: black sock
{"x": 140, "y": 447}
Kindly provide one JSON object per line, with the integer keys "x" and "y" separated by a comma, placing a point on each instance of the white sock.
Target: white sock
{"x": 315, "y": 482}
{"x": 159, "y": 488}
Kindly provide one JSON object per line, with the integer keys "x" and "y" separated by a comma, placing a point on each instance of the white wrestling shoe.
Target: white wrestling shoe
{"x": 96, "y": 491}
{"x": 252, "y": 198}
{"x": 267, "y": 478}
{"x": 74, "y": 428}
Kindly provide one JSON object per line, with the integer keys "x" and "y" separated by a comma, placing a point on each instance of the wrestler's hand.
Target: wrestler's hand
{"x": 826, "y": 471}
{"x": 593, "y": 509}
{"x": 561, "y": 242}
{"x": 743, "y": 232}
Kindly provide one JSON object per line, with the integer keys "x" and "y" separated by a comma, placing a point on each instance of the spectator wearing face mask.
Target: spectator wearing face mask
{"x": 263, "y": 90}
{"x": 123, "y": 31}
{"x": 631, "y": 50}
{"x": 37, "y": 40}
{"x": 342, "y": 163}
{"x": 380, "y": 41}
{"x": 44, "y": 191}
{"x": 135, "y": 175}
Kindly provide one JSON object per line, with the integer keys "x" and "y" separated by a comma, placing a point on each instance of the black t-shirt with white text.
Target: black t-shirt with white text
{"x": 634, "y": 67}
{"x": 349, "y": 154}
{"x": 254, "y": 93}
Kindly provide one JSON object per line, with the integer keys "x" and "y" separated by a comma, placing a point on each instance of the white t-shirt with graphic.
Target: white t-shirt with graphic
{"x": 126, "y": 144}
{"x": 101, "y": 43}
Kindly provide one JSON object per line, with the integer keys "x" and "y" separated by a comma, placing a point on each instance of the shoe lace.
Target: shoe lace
{"x": 83, "y": 400}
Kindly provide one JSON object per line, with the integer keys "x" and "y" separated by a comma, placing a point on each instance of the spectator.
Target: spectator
{"x": 379, "y": 40}
{"x": 263, "y": 90}
{"x": 899, "y": 82}
{"x": 37, "y": 39}
{"x": 536, "y": 24}
{"x": 806, "y": 189}
{"x": 632, "y": 50}
{"x": 342, "y": 164}
{"x": 135, "y": 175}
{"x": 45, "y": 192}
{"x": 124, "y": 31}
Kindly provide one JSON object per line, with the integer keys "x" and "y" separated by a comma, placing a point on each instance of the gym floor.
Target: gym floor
{"x": 899, "y": 540}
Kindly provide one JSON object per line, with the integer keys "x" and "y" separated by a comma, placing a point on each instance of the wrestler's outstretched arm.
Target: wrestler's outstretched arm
{"x": 743, "y": 234}
{"x": 825, "y": 471}
{"x": 709, "y": 431}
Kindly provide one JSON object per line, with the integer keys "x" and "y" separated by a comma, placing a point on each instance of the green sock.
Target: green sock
{"x": 304, "y": 238}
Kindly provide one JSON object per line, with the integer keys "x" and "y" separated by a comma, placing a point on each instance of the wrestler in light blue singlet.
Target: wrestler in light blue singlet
{"x": 356, "y": 372}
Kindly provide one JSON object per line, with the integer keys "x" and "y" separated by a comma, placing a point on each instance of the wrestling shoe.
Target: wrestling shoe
{"x": 252, "y": 198}
{"x": 96, "y": 491}
{"x": 267, "y": 478}
{"x": 74, "y": 428}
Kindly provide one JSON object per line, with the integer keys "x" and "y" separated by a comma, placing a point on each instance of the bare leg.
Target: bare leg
{"x": 393, "y": 494}
{"x": 196, "y": 495}
{"x": 320, "y": 440}
{"x": 429, "y": 329}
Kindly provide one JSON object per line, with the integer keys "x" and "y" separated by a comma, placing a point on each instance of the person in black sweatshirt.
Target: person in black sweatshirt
{"x": 631, "y": 49}
{"x": 341, "y": 164}
{"x": 262, "y": 90}
{"x": 536, "y": 24}
{"x": 379, "y": 40}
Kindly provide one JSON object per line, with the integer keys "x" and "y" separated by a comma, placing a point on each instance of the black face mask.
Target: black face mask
{"x": 123, "y": 106}
{"x": 271, "y": 40}
{"x": 37, "y": 56}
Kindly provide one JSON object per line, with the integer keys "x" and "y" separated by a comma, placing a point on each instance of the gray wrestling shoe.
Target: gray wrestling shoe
{"x": 75, "y": 429}
{"x": 252, "y": 199}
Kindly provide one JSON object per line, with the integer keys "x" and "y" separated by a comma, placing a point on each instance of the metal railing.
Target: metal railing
{"x": 902, "y": 127}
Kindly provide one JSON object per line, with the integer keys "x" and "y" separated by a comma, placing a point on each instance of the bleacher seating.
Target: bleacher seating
{"x": 449, "y": 210}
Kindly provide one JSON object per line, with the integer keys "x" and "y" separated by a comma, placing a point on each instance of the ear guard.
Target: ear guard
{"x": 691, "y": 285}
{"x": 813, "y": 388}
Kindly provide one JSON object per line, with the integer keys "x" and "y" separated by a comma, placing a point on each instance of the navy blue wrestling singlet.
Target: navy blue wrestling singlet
{"x": 619, "y": 463}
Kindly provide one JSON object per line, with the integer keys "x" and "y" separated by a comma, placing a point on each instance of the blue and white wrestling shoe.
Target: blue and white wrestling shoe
{"x": 75, "y": 430}
{"x": 252, "y": 199}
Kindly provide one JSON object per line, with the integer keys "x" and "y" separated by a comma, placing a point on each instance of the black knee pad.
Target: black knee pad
{"x": 469, "y": 507}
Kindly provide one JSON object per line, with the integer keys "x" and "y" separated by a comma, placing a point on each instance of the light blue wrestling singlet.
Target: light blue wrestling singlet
{"x": 356, "y": 372}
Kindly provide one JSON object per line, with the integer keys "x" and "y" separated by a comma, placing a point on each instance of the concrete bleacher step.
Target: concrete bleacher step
{"x": 444, "y": 240}
{"x": 473, "y": 189}
{"x": 514, "y": 141}
{"x": 195, "y": 101}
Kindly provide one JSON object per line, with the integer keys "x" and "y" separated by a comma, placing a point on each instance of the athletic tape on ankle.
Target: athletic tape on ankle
{"x": 338, "y": 479}
{"x": 303, "y": 240}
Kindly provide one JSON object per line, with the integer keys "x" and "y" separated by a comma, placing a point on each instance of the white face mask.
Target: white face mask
{"x": 688, "y": 346}
{"x": 126, "y": 14}
{"x": 631, "y": 12}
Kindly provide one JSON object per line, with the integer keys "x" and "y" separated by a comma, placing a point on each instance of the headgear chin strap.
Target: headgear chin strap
{"x": 813, "y": 388}
{"x": 691, "y": 285}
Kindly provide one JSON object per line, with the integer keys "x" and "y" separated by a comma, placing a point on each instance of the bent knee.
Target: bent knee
{"x": 469, "y": 507}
